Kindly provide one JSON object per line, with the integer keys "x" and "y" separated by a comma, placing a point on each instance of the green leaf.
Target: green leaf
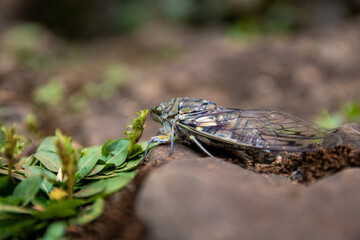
{"x": 92, "y": 213}
{"x": 7, "y": 208}
{"x": 40, "y": 201}
{"x": 19, "y": 228}
{"x": 48, "y": 144}
{"x": 113, "y": 146}
{"x": 62, "y": 209}
{"x": 46, "y": 185}
{"x": 96, "y": 169}
{"x": 14, "y": 174}
{"x": 116, "y": 183}
{"x": 26, "y": 162}
{"x": 118, "y": 151}
{"x": 6, "y": 186}
{"x": 27, "y": 189}
{"x": 102, "y": 160}
{"x": 36, "y": 170}
{"x": 141, "y": 147}
{"x": 10, "y": 200}
{"x": 98, "y": 177}
{"x": 50, "y": 160}
{"x": 55, "y": 230}
{"x": 90, "y": 189}
{"x": 132, "y": 164}
{"x": 104, "y": 148}
{"x": 87, "y": 162}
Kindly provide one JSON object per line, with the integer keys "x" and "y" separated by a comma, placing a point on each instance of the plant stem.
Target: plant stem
{"x": 10, "y": 166}
{"x": 69, "y": 158}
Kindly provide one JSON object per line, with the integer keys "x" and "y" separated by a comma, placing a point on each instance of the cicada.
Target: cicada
{"x": 206, "y": 124}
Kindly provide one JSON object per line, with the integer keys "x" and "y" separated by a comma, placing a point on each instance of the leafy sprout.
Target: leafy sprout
{"x": 69, "y": 157}
{"x": 138, "y": 128}
{"x": 11, "y": 146}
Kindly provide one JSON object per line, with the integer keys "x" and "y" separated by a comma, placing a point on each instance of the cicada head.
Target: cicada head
{"x": 166, "y": 110}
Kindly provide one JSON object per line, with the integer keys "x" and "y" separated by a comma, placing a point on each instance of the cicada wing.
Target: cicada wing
{"x": 262, "y": 129}
{"x": 286, "y": 132}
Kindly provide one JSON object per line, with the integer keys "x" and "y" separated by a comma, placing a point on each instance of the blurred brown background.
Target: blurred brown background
{"x": 87, "y": 66}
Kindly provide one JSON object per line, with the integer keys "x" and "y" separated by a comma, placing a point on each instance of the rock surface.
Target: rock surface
{"x": 350, "y": 134}
{"x": 207, "y": 198}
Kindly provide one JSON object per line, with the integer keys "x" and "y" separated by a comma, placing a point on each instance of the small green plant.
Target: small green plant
{"x": 24, "y": 43}
{"x": 114, "y": 77}
{"x": 247, "y": 29}
{"x": 11, "y": 146}
{"x": 279, "y": 18}
{"x": 78, "y": 102}
{"x": 31, "y": 122}
{"x": 51, "y": 94}
{"x": 69, "y": 159}
{"x": 137, "y": 130}
{"x": 59, "y": 185}
{"x": 349, "y": 112}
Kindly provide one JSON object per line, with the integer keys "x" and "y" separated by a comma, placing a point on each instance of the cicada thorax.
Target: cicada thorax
{"x": 171, "y": 107}
{"x": 177, "y": 107}
{"x": 195, "y": 105}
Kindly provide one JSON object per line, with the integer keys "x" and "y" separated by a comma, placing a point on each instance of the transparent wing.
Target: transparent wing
{"x": 262, "y": 129}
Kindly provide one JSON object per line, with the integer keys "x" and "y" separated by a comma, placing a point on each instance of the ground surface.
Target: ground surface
{"x": 302, "y": 74}
{"x": 187, "y": 196}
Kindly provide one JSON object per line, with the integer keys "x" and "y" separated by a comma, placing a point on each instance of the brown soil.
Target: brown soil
{"x": 310, "y": 167}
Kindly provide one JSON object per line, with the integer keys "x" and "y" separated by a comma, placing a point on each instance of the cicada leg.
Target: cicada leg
{"x": 172, "y": 136}
{"x": 193, "y": 138}
{"x": 162, "y": 139}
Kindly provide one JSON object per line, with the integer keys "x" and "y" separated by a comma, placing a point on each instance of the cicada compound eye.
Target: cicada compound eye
{"x": 158, "y": 110}
{"x": 156, "y": 113}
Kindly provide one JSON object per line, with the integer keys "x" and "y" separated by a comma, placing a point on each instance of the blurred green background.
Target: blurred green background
{"x": 91, "y": 18}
